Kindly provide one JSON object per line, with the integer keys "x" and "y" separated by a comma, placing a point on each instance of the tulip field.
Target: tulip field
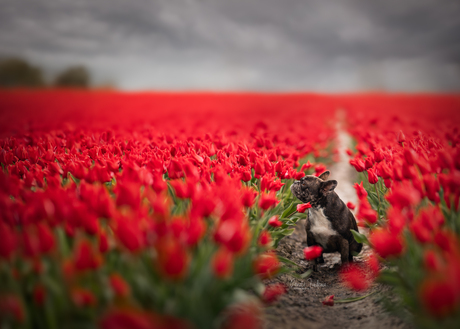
{"x": 164, "y": 210}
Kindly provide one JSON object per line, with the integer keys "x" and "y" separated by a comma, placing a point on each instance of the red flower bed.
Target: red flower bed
{"x": 148, "y": 210}
{"x": 408, "y": 153}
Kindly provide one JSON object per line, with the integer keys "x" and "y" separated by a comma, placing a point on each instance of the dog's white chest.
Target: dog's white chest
{"x": 320, "y": 226}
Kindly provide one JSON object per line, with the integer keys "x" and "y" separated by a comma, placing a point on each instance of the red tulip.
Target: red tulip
{"x": 246, "y": 176}
{"x": 128, "y": 318}
{"x": 46, "y": 238}
{"x": 385, "y": 243}
{"x": 306, "y": 166}
{"x": 265, "y": 238}
{"x": 312, "y": 252}
{"x": 248, "y": 197}
{"x": 11, "y": 306}
{"x": 299, "y": 175}
{"x": 173, "y": 258}
{"x": 358, "y": 164}
{"x": 302, "y": 207}
{"x": 85, "y": 257}
{"x": 432, "y": 261}
{"x": 268, "y": 200}
{"x": 274, "y": 221}
{"x": 103, "y": 242}
{"x": 373, "y": 265}
{"x": 372, "y": 177}
{"x": 351, "y": 205}
{"x": 379, "y": 156}
{"x": 273, "y": 292}
{"x": 267, "y": 265}
{"x": 129, "y": 234}
{"x": 328, "y": 301}
{"x": 128, "y": 194}
{"x": 244, "y": 315}
{"x": 83, "y": 297}
{"x": 369, "y": 162}
{"x": 8, "y": 241}
{"x": 354, "y": 277}
{"x": 403, "y": 195}
{"x": 438, "y": 297}
{"x": 365, "y": 212}
{"x": 119, "y": 286}
{"x": 401, "y": 138}
{"x": 319, "y": 169}
{"x": 360, "y": 191}
{"x": 222, "y": 263}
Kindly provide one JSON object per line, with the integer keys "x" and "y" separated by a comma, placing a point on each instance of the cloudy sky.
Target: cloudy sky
{"x": 263, "y": 45}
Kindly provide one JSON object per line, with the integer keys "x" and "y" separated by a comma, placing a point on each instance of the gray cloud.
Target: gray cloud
{"x": 285, "y": 45}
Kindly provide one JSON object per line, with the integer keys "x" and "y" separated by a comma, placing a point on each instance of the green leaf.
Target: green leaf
{"x": 359, "y": 237}
{"x": 353, "y": 299}
{"x": 390, "y": 278}
{"x": 287, "y": 261}
{"x": 306, "y": 274}
{"x": 289, "y": 210}
{"x": 288, "y": 232}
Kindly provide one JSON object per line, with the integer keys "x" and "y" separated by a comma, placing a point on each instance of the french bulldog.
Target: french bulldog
{"x": 329, "y": 220}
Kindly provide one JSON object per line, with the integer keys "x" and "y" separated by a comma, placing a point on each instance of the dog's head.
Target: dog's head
{"x": 311, "y": 188}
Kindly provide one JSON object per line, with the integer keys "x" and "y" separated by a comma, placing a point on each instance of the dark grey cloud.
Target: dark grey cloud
{"x": 285, "y": 45}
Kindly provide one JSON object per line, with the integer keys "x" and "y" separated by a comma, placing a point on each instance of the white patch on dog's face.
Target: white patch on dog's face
{"x": 320, "y": 226}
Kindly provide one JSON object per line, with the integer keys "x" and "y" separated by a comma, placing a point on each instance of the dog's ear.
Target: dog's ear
{"x": 328, "y": 186}
{"x": 325, "y": 175}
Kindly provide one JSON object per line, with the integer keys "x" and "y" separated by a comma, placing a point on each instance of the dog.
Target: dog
{"x": 329, "y": 220}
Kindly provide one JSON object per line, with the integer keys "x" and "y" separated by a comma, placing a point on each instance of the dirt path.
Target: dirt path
{"x": 301, "y": 306}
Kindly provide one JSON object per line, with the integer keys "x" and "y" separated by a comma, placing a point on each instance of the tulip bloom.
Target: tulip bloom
{"x": 302, "y": 207}
{"x": 222, "y": 263}
{"x": 372, "y": 177}
{"x": 173, "y": 258}
{"x": 401, "y": 138}
{"x": 244, "y": 315}
{"x": 312, "y": 252}
{"x": 265, "y": 238}
{"x": 438, "y": 297}
{"x": 274, "y": 221}
{"x": 351, "y": 205}
{"x": 121, "y": 318}
{"x": 360, "y": 190}
{"x": 385, "y": 243}
{"x": 85, "y": 257}
{"x": 248, "y": 197}
{"x": 273, "y": 292}
{"x": 8, "y": 241}
{"x": 306, "y": 166}
{"x": 431, "y": 261}
{"x": 358, "y": 164}
{"x": 119, "y": 286}
{"x": 83, "y": 297}
{"x": 328, "y": 301}
{"x": 268, "y": 200}
{"x": 354, "y": 277}
{"x": 266, "y": 265}
{"x": 11, "y": 306}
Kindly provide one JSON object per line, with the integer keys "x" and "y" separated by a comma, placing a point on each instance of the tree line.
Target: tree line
{"x": 16, "y": 72}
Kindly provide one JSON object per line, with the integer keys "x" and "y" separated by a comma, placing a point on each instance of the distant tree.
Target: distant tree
{"x": 17, "y": 72}
{"x": 75, "y": 76}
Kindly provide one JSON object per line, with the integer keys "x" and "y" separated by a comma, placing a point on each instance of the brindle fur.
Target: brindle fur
{"x": 320, "y": 193}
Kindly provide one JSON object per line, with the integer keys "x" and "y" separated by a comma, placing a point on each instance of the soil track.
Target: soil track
{"x": 301, "y": 306}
